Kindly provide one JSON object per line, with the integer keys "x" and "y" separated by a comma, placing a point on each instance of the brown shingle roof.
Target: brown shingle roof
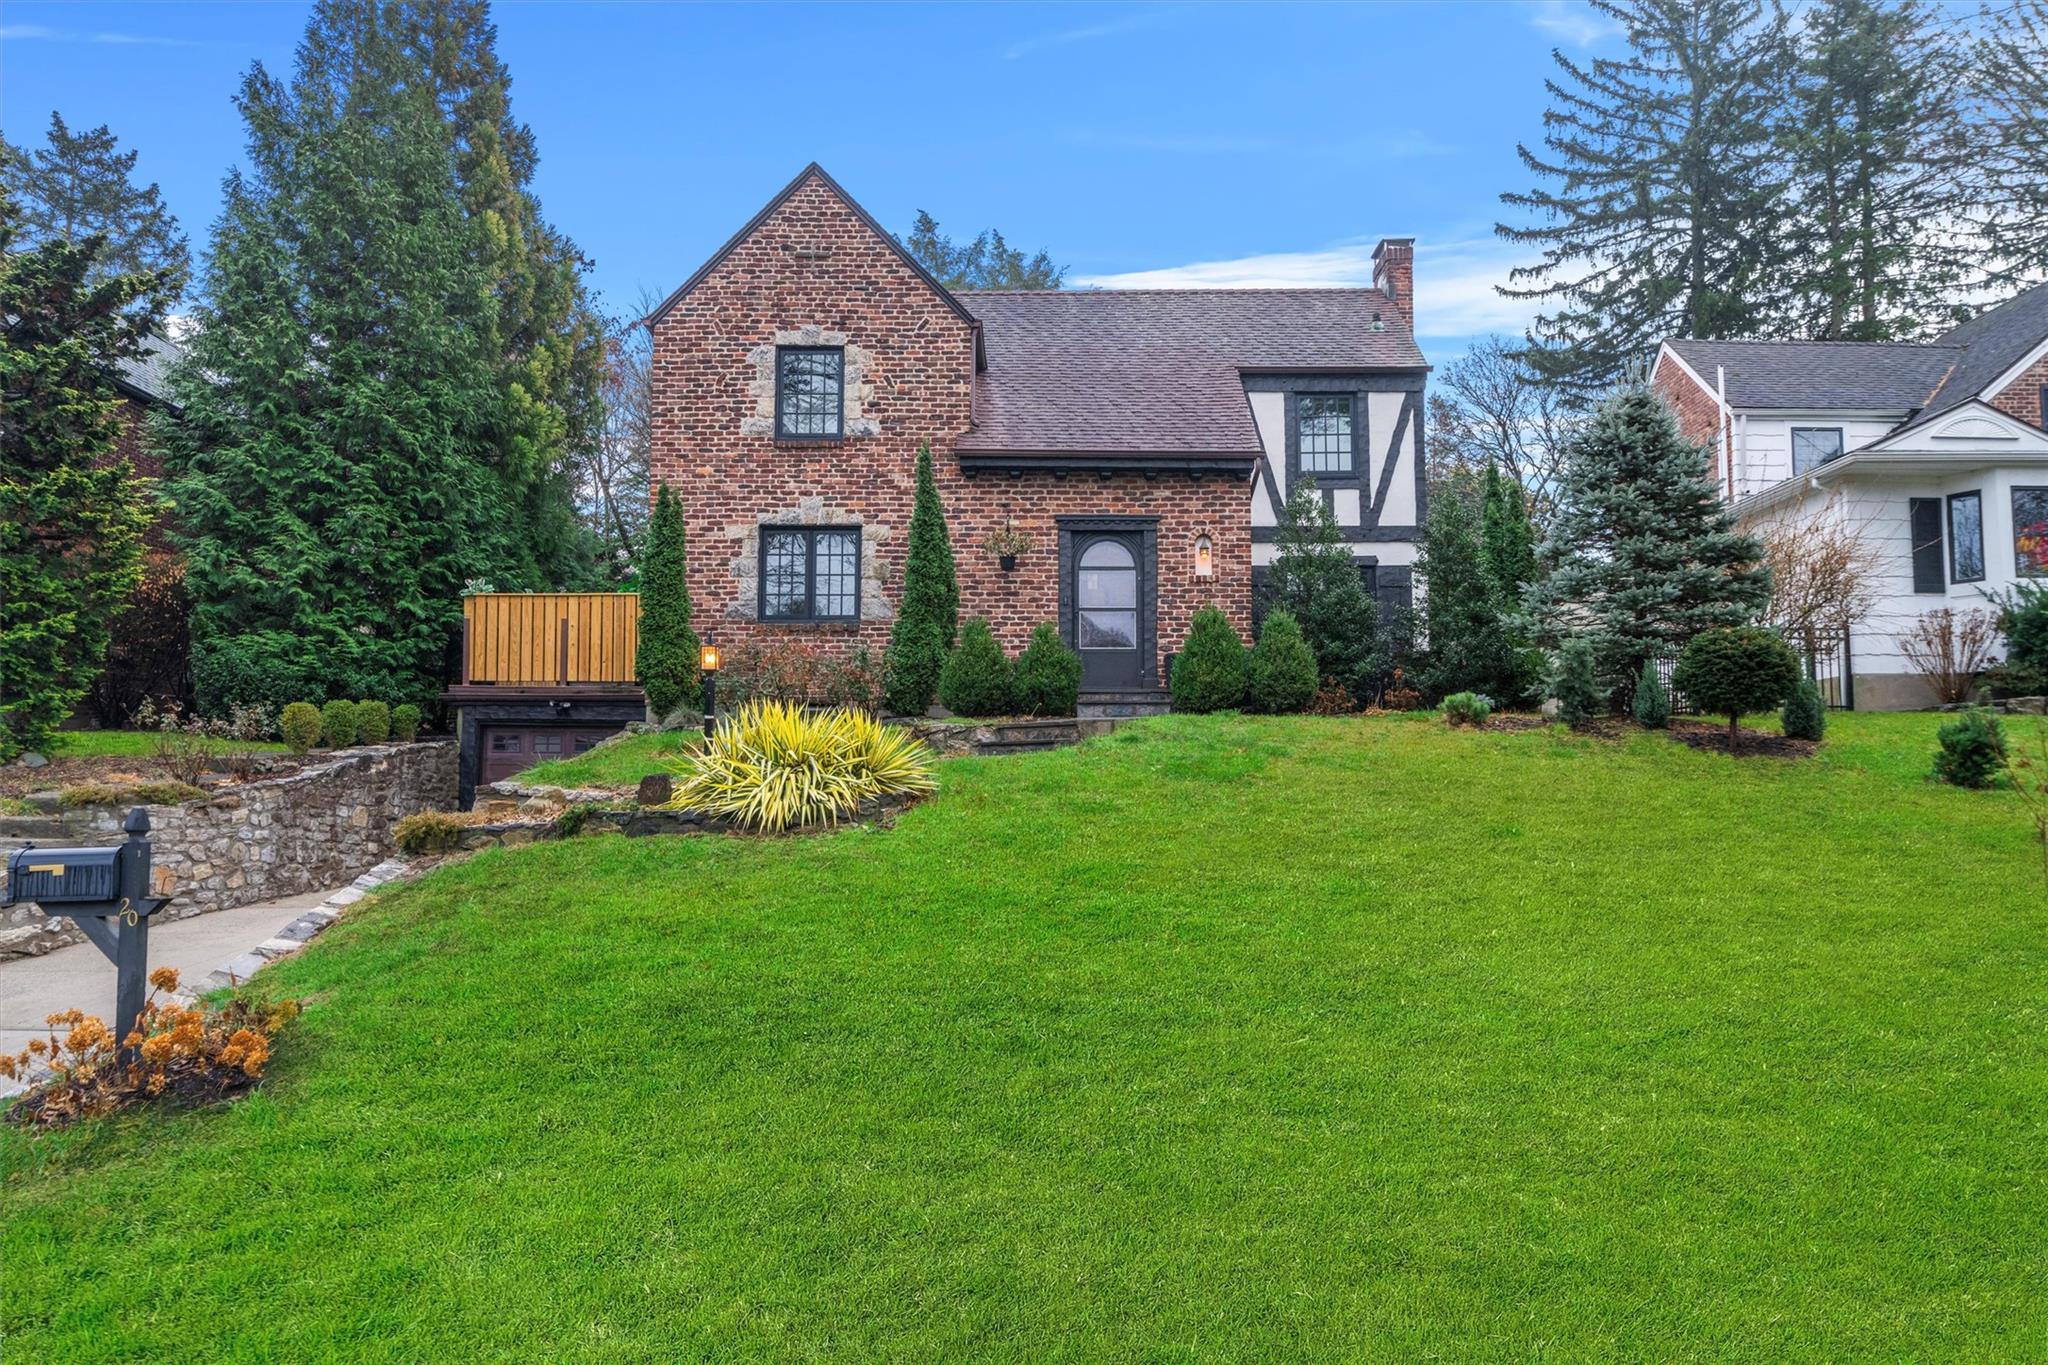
{"x": 1158, "y": 371}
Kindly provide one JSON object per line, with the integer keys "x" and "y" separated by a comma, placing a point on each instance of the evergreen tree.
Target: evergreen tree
{"x": 1470, "y": 647}
{"x": 977, "y": 680}
{"x": 1213, "y": 669}
{"x": 1876, "y": 142}
{"x": 929, "y": 613}
{"x": 667, "y": 660}
{"x": 1645, "y": 555}
{"x": 2012, "y": 84}
{"x": 81, "y": 185}
{"x": 335, "y": 468}
{"x": 1652, "y": 704}
{"x": 1735, "y": 671}
{"x": 1659, "y": 220}
{"x": 1283, "y": 667}
{"x": 550, "y": 341}
{"x": 1314, "y": 578}
{"x": 1805, "y": 715}
{"x": 71, "y": 514}
{"x": 1507, "y": 538}
{"x": 987, "y": 262}
{"x": 1048, "y": 674}
{"x": 1574, "y": 686}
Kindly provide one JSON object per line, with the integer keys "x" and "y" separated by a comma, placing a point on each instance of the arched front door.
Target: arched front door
{"x": 1107, "y": 627}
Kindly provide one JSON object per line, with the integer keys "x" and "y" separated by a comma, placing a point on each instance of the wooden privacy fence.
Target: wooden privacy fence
{"x": 550, "y": 638}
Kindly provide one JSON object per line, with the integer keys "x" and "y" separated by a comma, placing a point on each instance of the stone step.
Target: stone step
{"x": 1101, "y": 705}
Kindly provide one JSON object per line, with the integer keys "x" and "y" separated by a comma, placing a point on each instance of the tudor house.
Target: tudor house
{"x": 1936, "y": 452}
{"x": 1110, "y": 460}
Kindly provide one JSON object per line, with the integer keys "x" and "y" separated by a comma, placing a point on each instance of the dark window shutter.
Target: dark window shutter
{"x": 2044, "y": 407}
{"x": 1930, "y": 572}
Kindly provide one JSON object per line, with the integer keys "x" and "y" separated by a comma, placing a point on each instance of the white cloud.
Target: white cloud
{"x": 1456, "y": 282}
{"x": 44, "y": 33}
{"x": 23, "y": 32}
{"x": 1087, "y": 33}
{"x": 1573, "y": 21}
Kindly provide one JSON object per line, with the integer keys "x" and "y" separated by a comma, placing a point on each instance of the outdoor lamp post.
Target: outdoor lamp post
{"x": 707, "y": 660}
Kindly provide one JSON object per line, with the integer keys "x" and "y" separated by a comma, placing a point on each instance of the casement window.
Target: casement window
{"x": 2030, "y": 532}
{"x": 1928, "y": 575}
{"x": 1814, "y": 446}
{"x": 1322, "y": 426}
{"x": 810, "y": 573}
{"x": 1965, "y": 538}
{"x": 810, "y": 386}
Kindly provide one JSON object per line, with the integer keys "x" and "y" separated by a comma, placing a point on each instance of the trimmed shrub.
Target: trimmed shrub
{"x": 1574, "y": 687}
{"x": 976, "y": 680}
{"x": 1283, "y": 667}
{"x": 300, "y": 725}
{"x": 1652, "y": 705}
{"x": 1735, "y": 671}
{"x": 929, "y": 613}
{"x": 405, "y": 722}
{"x": 1806, "y": 715}
{"x": 772, "y": 766}
{"x": 1972, "y": 749}
{"x": 1213, "y": 668}
{"x": 667, "y": 658}
{"x": 373, "y": 722}
{"x": 338, "y": 724}
{"x": 1467, "y": 708}
{"x": 429, "y": 831}
{"x": 1048, "y": 675}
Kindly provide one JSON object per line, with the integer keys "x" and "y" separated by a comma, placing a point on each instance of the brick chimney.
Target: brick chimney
{"x": 1393, "y": 272}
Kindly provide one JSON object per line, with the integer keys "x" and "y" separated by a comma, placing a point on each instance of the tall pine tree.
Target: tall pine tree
{"x": 80, "y": 185}
{"x": 335, "y": 468}
{"x": 987, "y": 262}
{"x": 2012, "y": 84}
{"x": 71, "y": 514}
{"x": 1663, "y": 182}
{"x": 1876, "y": 141}
{"x": 1644, "y": 555}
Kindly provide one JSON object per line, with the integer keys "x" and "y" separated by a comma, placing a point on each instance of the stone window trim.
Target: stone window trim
{"x": 813, "y": 576}
{"x": 856, "y": 386}
{"x": 827, "y": 409}
{"x": 744, "y": 563}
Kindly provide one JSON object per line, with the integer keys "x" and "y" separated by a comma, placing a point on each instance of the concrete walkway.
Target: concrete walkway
{"x": 80, "y": 977}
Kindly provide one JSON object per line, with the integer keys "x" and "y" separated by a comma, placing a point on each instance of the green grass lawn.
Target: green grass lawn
{"x": 1216, "y": 1039}
{"x": 134, "y": 744}
{"x": 616, "y": 765}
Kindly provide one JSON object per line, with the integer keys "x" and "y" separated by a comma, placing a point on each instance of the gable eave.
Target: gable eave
{"x": 768, "y": 211}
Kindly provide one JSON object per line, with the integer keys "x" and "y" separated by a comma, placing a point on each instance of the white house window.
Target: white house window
{"x": 810, "y": 384}
{"x": 810, "y": 573}
{"x": 2030, "y": 532}
{"x": 1205, "y": 558}
{"x": 1323, "y": 430}
{"x": 1965, "y": 538}
{"x": 1813, "y": 446}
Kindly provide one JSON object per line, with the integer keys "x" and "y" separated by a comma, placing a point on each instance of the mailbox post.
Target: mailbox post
{"x": 107, "y": 890}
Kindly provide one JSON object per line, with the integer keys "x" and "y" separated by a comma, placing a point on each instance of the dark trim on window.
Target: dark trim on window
{"x": 838, "y": 406}
{"x": 1924, "y": 526}
{"x": 1840, "y": 434}
{"x": 1955, "y": 574}
{"x": 1147, "y": 531}
{"x": 810, "y": 613}
{"x": 1361, "y": 444}
{"x": 1357, "y": 535}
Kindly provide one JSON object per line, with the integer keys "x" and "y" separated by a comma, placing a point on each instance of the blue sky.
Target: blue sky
{"x": 1139, "y": 144}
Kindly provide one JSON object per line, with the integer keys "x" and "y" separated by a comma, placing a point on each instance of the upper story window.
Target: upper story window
{"x": 1323, "y": 432}
{"x": 1965, "y": 538}
{"x": 1812, "y": 446}
{"x": 810, "y": 573}
{"x": 810, "y": 384}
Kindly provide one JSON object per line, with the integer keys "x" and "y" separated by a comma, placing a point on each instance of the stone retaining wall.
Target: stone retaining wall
{"x": 314, "y": 830}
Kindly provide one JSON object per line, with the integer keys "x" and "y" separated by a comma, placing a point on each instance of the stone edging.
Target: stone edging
{"x": 302, "y": 930}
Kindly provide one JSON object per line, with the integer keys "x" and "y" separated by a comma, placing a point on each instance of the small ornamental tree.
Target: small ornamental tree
{"x": 1048, "y": 675}
{"x": 1575, "y": 686}
{"x": 667, "y": 662}
{"x": 1652, "y": 704}
{"x": 1283, "y": 667}
{"x": 1213, "y": 668}
{"x": 1734, "y": 671}
{"x": 976, "y": 680}
{"x": 929, "y": 614}
{"x": 1805, "y": 715}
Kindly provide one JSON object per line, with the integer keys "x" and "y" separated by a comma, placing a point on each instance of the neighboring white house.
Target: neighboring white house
{"x": 1934, "y": 451}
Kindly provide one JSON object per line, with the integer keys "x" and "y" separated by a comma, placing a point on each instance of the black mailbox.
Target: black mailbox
{"x": 63, "y": 874}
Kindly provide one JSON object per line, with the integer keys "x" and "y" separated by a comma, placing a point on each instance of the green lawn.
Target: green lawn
{"x": 616, "y": 765}
{"x": 133, "y": 744}
{"x": 1217, "y": 1039}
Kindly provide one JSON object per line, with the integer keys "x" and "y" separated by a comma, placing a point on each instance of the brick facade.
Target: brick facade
{"x": 1699, "y": 416}
{"x": 814, "y": 268}
{"x": 2022, "y": 397}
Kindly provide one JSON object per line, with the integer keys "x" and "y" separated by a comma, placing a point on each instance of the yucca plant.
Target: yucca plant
{"x": 773, "y": 766}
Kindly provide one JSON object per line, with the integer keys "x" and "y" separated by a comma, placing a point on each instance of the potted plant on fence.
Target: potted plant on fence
{"x": 1006, "y": 545}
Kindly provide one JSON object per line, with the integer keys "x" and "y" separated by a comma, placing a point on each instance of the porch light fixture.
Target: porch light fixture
{"x": 1205, "y": 558}
{"x": 707, "y": 660}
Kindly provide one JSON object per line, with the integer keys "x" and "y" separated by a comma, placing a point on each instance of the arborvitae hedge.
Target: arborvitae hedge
{"x": 667, "y": 661}
{"x": 976, "y": 680}
{"x": 1283, "y": 667}
{"x": 1048, "y": 675}
{"x": 1213, "y": 669}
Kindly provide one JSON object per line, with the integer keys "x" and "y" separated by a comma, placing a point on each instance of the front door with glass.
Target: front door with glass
{"x": 1106, "y": 629}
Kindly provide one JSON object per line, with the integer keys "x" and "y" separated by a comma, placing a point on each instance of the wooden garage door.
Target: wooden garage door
{"x": 508, "y": 749}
